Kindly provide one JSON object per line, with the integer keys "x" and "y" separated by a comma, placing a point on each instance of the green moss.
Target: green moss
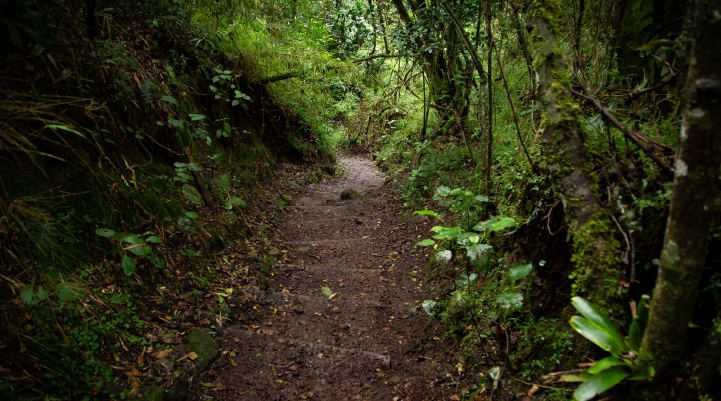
{"x": 596, "y": 267}
{"x": 549, "y": 11}
{"x": 202, "y": 344}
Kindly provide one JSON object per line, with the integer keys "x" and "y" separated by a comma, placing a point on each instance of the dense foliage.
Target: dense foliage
{"x": 544, "y": 137}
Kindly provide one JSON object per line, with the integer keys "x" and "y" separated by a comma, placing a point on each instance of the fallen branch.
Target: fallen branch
{"x": 633, "y": 136}
{"x": 375, "y": 56}
{"x": 280, "y": 77}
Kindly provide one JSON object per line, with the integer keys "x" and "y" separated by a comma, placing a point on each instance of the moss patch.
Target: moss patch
{"x": 202, "y": 344}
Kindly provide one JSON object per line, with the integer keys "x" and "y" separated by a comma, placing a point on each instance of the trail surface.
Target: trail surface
{"x": 335, "y": 322}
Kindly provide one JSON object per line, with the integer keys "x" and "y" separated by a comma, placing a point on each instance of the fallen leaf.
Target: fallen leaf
{"x": 455, "y": 397}
{"x": 136, "y": 372}
{"x": 164, "y": 353}
{"x": 193, "y": 356}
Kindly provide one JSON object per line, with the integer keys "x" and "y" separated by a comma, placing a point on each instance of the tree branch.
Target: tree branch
{"x": 375, "y": 56}
{"x": 633, "y": 136}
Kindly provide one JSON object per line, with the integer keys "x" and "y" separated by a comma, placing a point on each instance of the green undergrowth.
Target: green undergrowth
{"x": 136, "y": 163}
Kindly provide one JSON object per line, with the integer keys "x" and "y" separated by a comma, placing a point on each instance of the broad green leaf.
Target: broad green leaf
{"x": 175, "y": 123}
{"x": 235, "y": 102}
{"x": 191, "y": 215}
{"x": 573, "y": 378}
{"x": 428, "y": 212}
{"x": 327, "y": 291}
{"x": 27, "y": 295}
{"x": 450, "y": 232}
{"x": 606, "y": 363}
{"x": 127, "y": 264}
{"x": 510, "y": 300}
{"x": 133, "y": 239}
{"x": 170, "y": 99}
{"x": 520, "y": 271}
{"x": 192, "y": 194}
{"x": 601, "y": 322}
{"x": 600, "y": 383}
{"x": 476, "y": 250}
{"x": 42, "y": 293}
{"x": 141, "y": 250}
{"x": 455, "y": 192}
{"x": 66, "y": 291}
{"x": 104, "y": 232}
{"x": 504, "y": 222}
{"x": 593, "y": 333}
{"x": 443, "y": 191}
{"x": 196, "y": 117}
{"x": 154, "y": 239}
{"x": 437, "y": 229}
{"x": 638, "y": 326}
{"x": 426, "y": 242}
{"x": 481, "y": 198}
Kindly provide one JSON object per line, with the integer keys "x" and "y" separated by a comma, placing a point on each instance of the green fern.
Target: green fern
{"x": 234, "y": 200}
{"x": 222, "y": 185}
{"x": 145, "y": 91}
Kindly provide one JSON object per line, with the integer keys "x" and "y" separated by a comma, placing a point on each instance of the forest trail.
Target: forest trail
{"x": 356, "y": 339}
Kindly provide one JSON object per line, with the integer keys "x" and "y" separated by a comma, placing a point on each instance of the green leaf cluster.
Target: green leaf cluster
{"x": 622, "y": 364}
{"x": 137, "y": 245}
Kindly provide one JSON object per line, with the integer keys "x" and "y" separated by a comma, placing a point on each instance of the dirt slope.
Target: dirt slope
{"x": 363, "y": 342}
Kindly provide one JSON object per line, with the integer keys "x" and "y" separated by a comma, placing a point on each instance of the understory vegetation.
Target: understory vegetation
{"x": 542, "y": 143}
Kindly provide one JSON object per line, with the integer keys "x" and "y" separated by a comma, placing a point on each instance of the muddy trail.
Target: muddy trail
{"x": 340, "y": 318}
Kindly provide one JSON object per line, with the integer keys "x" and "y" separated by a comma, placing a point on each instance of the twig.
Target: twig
{"x": 539, "y": 385}
{"x": 513, "y": 111}
{"x": 629, "y": 134}
{"x": 636, "y": 94}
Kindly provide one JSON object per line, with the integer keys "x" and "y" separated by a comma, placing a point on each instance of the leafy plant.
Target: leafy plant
{"x": 622, "y": 364}
{"x": 472, "y": 241}
{"x": 133, "y": 244}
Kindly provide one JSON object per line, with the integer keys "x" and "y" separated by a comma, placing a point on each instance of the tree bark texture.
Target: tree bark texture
{"x": 590, "y": 230}
{"x": 694, "y": 193}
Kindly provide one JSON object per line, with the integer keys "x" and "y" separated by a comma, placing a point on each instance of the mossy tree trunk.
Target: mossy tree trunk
{"x": 589, "y": 227}
{"x": 694, "y": 193}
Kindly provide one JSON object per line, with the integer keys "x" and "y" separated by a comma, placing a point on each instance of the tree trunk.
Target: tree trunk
{"x": 577, "y": 38}
{"x": 595, "y": 272}
{"x": 489, "y": 155}
{"x": 523, "y": 43}
{"x": 694, "y": 193}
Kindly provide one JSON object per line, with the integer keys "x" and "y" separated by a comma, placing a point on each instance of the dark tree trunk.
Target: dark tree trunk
{"x": 694, "y": 193}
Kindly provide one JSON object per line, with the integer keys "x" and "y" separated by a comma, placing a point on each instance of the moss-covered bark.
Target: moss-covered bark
{"x": 695, "y": 191}
{"x": 590, "y": 230}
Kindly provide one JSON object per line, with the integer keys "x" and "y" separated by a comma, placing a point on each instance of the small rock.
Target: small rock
{"x": 348, "y": 193}
{"x": 202, "y": 344}
{"x": 113, "y": 389}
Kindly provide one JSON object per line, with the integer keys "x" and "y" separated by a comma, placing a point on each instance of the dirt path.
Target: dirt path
{"x": 363, "y": 342}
